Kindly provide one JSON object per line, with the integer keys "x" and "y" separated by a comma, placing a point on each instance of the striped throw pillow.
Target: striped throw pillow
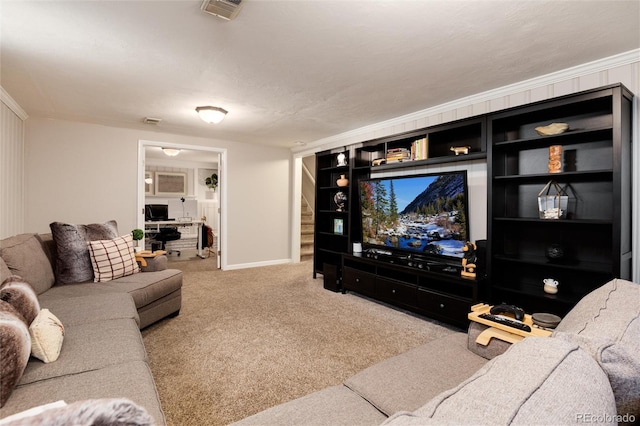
{"x": 113, "y": 259}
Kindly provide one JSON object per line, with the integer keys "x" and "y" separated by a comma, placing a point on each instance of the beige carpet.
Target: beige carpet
{"x": 249, "y": 339}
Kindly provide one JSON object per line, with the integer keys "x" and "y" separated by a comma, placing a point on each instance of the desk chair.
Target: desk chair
{"x": 169, "y": 233}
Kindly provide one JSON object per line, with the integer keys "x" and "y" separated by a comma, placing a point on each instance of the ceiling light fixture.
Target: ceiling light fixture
{"x": 211, "y": 115}
{"x": 171, "y": 152}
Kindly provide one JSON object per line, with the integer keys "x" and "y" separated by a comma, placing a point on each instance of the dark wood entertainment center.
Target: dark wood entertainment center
{"x": 591, "y": 245}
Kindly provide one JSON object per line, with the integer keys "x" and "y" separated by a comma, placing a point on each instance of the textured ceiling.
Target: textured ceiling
{"x": 289, "y": 71}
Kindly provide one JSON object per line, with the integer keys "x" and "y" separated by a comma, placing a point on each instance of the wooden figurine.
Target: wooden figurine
{"x": 460, "y": 149}
{"x": 469, "y": 260}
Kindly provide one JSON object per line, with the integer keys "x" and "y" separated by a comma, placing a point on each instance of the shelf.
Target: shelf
{"x": 328, "y": 245}
{"x": 560, "y": 222}
{"x": 564, "y": 298}
{"x": 596, "y": 164}
{"x": 331, "y": 234}
{"x": 567, "y": 138}
{"x": 543, "y": 261}
{"x": 585, "y": 176}
{"x": 429, "y": 161}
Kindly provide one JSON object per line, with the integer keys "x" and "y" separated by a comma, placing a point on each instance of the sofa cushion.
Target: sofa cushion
{"x": 19, "y": 294}
{"x": 90, "y": 308}
{"x": 47, "y": 335}
{"x": 15, "y": 348}
{"x": 536, "y": 381}
{"x": 25, "y": 256}
{"x": 147, "y": 287}
{"x": 606, "y": 323}
{"x": 117, "y": 411}
{"x": 113, "y": 258}
{"x": 621, "y": 363}
{"x": 335, "y": 405}
{"x": 606, "y": 312}
{"x": 406, "y": 381}
{"x": 90, "y": 347}
{"x": 131, "y": 380}
{"x": 73, "y": 264}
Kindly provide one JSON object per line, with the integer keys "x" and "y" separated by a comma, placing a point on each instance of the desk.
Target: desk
{"x": 156, "y": 225}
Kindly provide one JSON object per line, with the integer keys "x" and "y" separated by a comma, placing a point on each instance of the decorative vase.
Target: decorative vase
{"x": 343, "y": 181}
{"x": 550, "y": 285}
{"x": 555, "y": 252}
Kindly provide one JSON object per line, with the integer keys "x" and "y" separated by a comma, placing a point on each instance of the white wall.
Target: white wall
{"x": 83, "y": 173}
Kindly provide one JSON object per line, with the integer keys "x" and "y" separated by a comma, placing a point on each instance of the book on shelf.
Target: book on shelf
{"x": 398, "y": 154}
{"x": 420, "y": 149}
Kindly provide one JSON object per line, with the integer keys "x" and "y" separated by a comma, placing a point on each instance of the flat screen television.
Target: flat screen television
{"x": 424, "y": 214}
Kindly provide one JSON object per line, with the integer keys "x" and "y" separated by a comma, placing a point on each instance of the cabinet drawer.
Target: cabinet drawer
{"x": 441, "y": 306}
{"x": 396, "y": 292}
{"x": 363, "y": 282}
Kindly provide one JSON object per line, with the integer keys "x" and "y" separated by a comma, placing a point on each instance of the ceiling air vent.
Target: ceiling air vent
{"x": 225, "y": 9}
{"x": 151, "y": 120}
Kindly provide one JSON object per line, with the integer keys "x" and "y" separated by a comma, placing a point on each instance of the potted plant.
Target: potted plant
{"x": 212, "y": 181}
{"x": 137, "y": 234}
{"x": 212, "y": 184}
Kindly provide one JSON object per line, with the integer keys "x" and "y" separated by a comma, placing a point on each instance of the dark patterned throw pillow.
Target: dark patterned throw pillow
{"x": 73, "y": 263}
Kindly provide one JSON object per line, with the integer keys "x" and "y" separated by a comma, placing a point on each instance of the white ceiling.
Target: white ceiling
{"x": 289, "y": 71}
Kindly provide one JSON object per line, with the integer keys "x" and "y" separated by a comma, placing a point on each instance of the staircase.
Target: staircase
{"x": 306, "y": 232}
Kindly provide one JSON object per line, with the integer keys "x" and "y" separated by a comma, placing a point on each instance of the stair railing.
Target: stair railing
{"x": 308, "y": 188}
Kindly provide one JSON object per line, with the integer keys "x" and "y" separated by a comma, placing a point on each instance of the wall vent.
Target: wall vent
{"x": 151, "y": 120}
{"x": 225, "y": 9}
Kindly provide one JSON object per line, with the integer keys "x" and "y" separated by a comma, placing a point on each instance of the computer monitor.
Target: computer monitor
{"x": 156, "y": 212}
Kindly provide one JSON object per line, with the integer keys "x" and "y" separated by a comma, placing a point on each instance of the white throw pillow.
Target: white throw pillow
{"x": 47, "y": 334}
{"x": 113, "y": 259}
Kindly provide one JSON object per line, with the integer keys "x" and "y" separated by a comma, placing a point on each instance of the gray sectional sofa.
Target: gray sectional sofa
{"x": 588, "y": 371}
{"x": 102, "y": 354}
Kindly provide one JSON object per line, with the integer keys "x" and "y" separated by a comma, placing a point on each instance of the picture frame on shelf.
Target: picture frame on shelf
{"x": 170, "y": 184}
{"x": 338, "y": 226}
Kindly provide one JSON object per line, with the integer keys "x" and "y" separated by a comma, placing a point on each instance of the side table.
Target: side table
{"x": 151, "y": 261}
{"x": 501, "y": 331}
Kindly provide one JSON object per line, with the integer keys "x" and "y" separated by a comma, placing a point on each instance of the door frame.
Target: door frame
{"x": 221, "y": 253}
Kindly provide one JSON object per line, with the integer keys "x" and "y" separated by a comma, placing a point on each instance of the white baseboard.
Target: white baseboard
{"x": 257, "y": 264}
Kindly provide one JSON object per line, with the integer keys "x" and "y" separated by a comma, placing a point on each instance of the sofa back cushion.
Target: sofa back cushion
{"x": 5, "y": 272}
{"x": 25, "y": 255}
{"x": 606, "y": 324}
{"x": 73, "y": 263}
{"x": 605, "y": 312}
{"x": 536, "y": 381}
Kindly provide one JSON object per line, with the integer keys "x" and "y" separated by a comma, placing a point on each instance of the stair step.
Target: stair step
{"x": 307, "y": 225}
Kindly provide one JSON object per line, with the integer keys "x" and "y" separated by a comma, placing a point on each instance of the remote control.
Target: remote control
{"x": 506, "y": 321}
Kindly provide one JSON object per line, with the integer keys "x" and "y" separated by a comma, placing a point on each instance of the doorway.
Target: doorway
{"x": 191, "y": 166}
